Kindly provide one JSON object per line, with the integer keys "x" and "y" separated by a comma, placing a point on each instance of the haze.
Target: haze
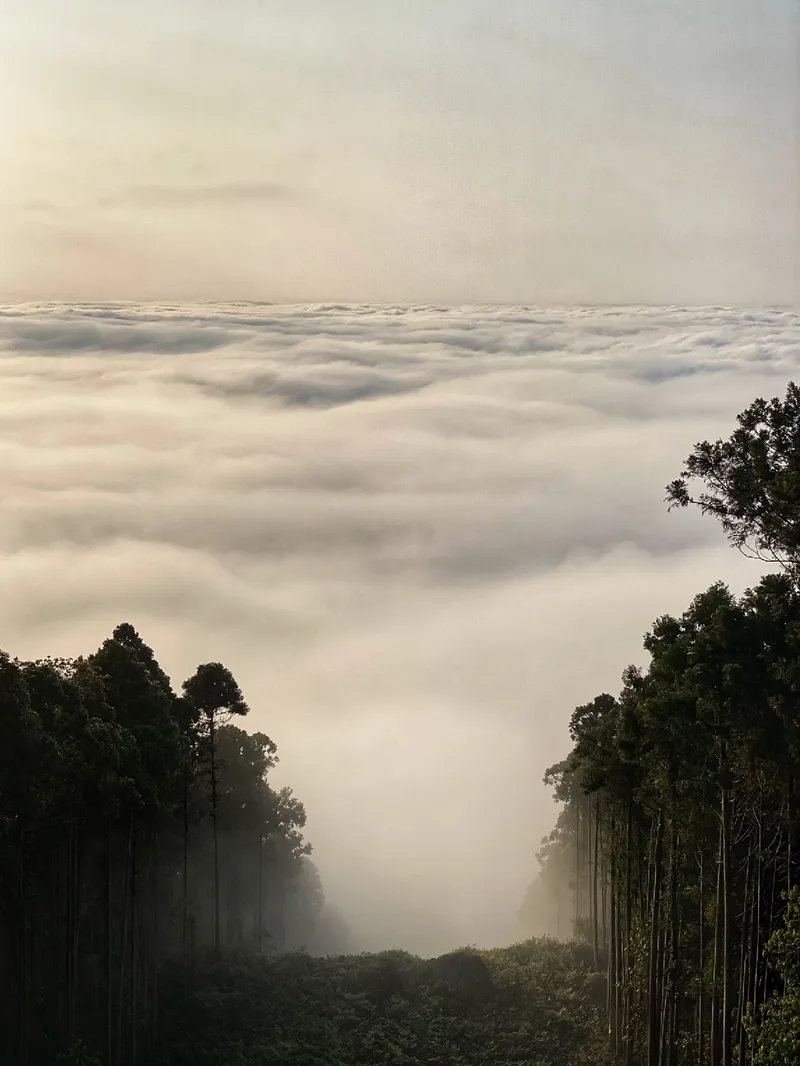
{"x": 539, "y": 151}
{"x": 418, "y": 538}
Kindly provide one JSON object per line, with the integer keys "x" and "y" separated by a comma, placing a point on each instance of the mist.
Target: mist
{"x": 418, "y": 537}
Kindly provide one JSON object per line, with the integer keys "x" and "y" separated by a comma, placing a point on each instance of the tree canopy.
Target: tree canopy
{"x": 115, "y": 856}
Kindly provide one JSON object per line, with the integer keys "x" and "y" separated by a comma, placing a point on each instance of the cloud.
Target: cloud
{"x": 418, "y": 535}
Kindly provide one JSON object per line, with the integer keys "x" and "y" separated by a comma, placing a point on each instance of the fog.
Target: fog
{"x": 417, "y": 536}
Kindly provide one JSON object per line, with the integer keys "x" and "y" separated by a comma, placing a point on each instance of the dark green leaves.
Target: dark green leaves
{"x": 751, "y": 481}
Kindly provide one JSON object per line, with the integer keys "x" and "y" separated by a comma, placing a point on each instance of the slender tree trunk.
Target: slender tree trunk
{"x": 744, "y": 960}
{"x": 132, "y": 987}
{"x": 155, "y": 926}
{"x": 260, "y": 906}
{"x": 701, "y": 960}
{"x": 69, "y": 954}
{"x": 604, "y": 899}
{"x": 642, "y": 895}
{"x": 595, "y": 875}
{"x": 662, "y": 988}
{"x": 24, "y": 961}
{"x": 108, "y": 945}
{"x": 789, "y": 826}
{"x": 577, "y": 865}
{"x": 629, "y": 936}
{"x": 756, "y": 950}
{"x": 185, "y": 928}
{"x": 716, "y": 1030}
{"x": 674, "y": 936}
{"x": 213, "y": 739}
{"x": 769, "y": 926}
{"x": 123, "y": 943}
{"x": 613, "y": 955}
{"x": 75, "y": 932}
{"x": 613, "y": 978}
{"x": 727, "y": 945}
{"x": 653, "y": 1018}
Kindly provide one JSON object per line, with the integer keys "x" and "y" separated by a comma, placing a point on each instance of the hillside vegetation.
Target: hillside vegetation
{"x": 535, "y": 1004}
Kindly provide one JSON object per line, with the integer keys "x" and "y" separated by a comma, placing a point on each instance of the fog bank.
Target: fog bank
{"x": 417, "y": 536}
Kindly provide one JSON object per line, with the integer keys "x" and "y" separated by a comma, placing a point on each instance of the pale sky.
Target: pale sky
{"x": 443, "y": 151}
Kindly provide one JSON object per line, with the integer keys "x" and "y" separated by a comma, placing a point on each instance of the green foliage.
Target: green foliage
{"x": 539, "y": 1008}
{"x": 212, "y": 690}
{"x": 776, "y": 1031}
{"x": 79, "y": 1055}
{"x": 751, "y": 481}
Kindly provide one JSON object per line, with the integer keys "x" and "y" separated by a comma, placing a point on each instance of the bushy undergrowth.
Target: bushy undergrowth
{"x": 534, "y": 1004}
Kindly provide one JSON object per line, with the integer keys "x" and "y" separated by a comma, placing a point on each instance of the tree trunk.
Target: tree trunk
{"x": 701, "y": 960}
{"x": 653, "y": 1014}
{"x": 132, "y": 987}
{"x": 755, "y": 955}
{"x": 108, "y": 960}
{"x": 789, "y": 826}
{"x": 744, "y": 961}
{"x": 185, "y": 925}
{"x": 604, "y": 875}
{"x": 595, "y": 874}
{"x": 24, "y": 961}
{"x": 662, "y": 988}
{"x": 675, "y": 937}
{"x": 613, "y": 954}
{"x": 716, "y": 1031}
{"x": 123, "y": 943}
{"x": 613, "y": 978}
{"x": 69, "y": 954}
{"x": 629, "y": 936}
{"x": 260, "y": 905}
{"x": 213, "y": 739}
{"x": 155, "y": 926}
{"x": 727, "y": 945}
{"x": 769, "y": 926}
{"x": 75, "y": 930}
{"x": 577, "y": 866}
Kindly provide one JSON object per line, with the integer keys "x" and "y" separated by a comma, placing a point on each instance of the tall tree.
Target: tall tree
{"x": 751, "y": 480}
{"x": 216, "y": 696}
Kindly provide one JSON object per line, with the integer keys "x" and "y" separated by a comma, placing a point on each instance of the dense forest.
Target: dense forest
{"x": 136, "y": 827}
{"x": 158, "y": 904}
{"x": 679, "y": 830}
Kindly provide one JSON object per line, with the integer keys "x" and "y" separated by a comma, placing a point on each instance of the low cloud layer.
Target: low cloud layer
{"x": 417, "y": 536}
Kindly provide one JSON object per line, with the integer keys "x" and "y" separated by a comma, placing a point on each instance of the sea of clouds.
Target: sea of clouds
{"x": 418, "y": 536}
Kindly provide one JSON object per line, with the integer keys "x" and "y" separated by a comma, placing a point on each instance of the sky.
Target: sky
{"x": 462, "y": 151}
{"x": 418, "y": 537}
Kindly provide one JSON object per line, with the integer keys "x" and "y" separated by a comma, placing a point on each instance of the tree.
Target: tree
{"x": 215, "y": 695}
{"x": 775, "y": 1031}
{"x": 104, "y": 819}
{"x": 692, "y": 769}
{"x": 751, "y": 481}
